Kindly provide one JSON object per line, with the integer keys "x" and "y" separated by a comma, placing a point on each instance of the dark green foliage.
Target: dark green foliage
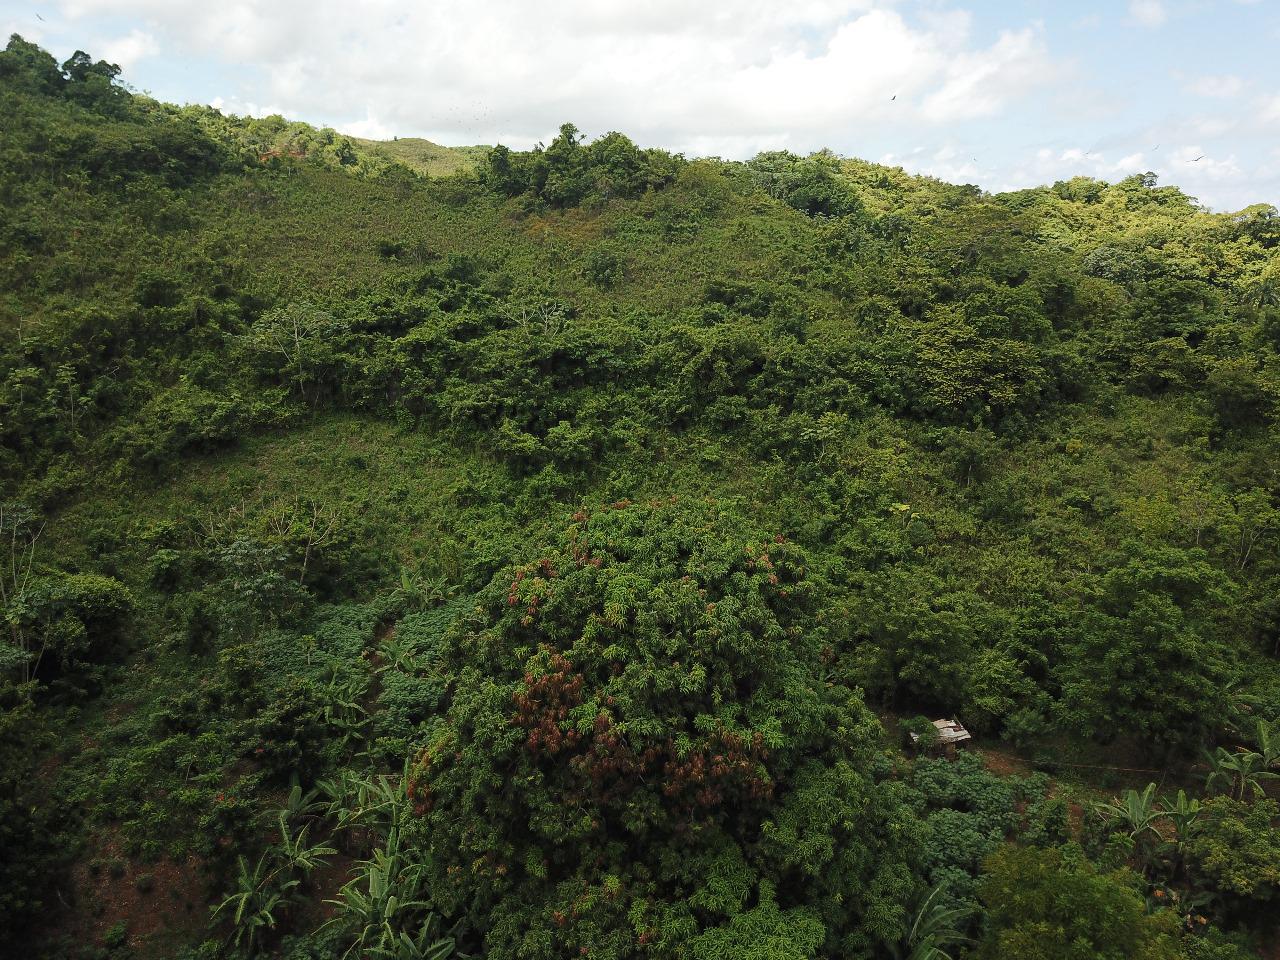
{"x": 1235, "y": 850}
{"x": 1147, "y": 662}
{"x": 1044, "y": 904}
{"x": 812, "y": 185}
{"x": 569, "y": 171}
{"x": 296, "y": 427}
{"x": 30, "y": 860}
{"x": 73, "y": 620}
{"x": 967, "y": 814}
{"x": 762, "y": 933}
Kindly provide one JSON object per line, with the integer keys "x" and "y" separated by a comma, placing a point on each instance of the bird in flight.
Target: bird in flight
{"x": 40, "y": 18}
{"x": 893, "y": 98}
{"x": 1197, "y": 159}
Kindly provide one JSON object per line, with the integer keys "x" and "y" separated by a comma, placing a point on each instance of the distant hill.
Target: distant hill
{"x": 424, "y": 156}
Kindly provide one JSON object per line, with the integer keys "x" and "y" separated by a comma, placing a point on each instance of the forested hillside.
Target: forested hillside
{"x": 549, "y": 559}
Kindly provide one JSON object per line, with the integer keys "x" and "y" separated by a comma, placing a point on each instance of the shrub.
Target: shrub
{"x": 638, "y": 736}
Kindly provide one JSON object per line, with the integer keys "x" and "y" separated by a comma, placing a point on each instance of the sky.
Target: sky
{"x": 998, "y": 93}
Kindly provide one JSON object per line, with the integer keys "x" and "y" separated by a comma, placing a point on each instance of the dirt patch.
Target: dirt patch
{"x": 1005, "y": 764}
{"x": 1269, "y": 938}
{"x": 161, "y": 904}
{"x": 323, "y": 886}
{"x": 1075, "y": 818}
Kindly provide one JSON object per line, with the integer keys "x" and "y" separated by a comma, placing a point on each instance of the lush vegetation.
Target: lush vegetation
{"x": 547, "y": 559}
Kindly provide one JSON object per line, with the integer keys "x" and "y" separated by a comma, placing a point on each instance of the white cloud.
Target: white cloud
{"x": 1048, "y": 166}
{"x": 369, "y": 128}
{"x": 1211, "y": 127}
{"x": 243, "y": 108}
{"x": 1149, "y": 13}
{"x": 1217, "y": 86}
{"x": 948, "y": 163}
{"x": 126, "y": 51}
{"x": 1220, "y": 182}
{"x": 1203, "y": 166}
{"x": 978, "y": 84}
{"x": 732, "y": 75}
{"x": 1269, "y": 109}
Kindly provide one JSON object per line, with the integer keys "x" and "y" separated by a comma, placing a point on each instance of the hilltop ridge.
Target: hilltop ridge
{"x": 426, "y": 157}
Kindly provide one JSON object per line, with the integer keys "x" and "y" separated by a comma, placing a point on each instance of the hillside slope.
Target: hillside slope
{"x": 528, "y": 561}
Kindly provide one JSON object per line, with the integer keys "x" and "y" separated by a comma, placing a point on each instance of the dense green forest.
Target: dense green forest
{"x": 414, "y": 553}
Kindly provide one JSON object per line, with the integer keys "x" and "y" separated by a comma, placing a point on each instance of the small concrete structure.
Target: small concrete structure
{"x": 950, "y": 733}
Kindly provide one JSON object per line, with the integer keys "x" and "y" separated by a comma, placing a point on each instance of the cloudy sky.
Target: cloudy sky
{"x": 1000, "y": 93}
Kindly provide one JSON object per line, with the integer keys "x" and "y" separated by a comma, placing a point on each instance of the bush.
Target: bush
{"x": 1045, "y": 904}
{"x": 639, "y": 737}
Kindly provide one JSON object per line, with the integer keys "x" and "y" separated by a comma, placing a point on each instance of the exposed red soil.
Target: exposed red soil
{"x": 168, "y": 908}
{"x": 1004, "y": 764}
{"x": 322, "y": 886}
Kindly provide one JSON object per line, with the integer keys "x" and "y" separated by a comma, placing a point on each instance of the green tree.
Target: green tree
{"x": 648, "y": 740}
{"x": 1235, "y": 854}
{"x": 298, "y": 344}
{"x": 1048, "y": 904}
{"x": 1144, "y": 661}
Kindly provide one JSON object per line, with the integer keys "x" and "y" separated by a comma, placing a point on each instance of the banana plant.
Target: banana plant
{"x": 420, "y": 592}
{"x": 256, "y": 902}
{"x": 300, "y": 805}
{"x": 382, "y": 909}
{"x": 341, "y": 708}
{"x": 397, "y": 654}
{"x": 1242, "y": 706}
{"x": 264, "y": 891}
{"x": 1268, "y": 737}
{"x": 1241, "y": 772}
{"x": 300, "y": 857}
{"x": 1182, "y": 812}
{"x": 937, "y": 926}
{"x": 1137, "y": 813}
{"x": 377, "y": 803}
{"x": 365, "y": 808}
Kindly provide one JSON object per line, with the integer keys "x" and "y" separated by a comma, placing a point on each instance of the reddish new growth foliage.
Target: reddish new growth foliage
{"x": 606, "y": 764}
{"x": 548, "y": 571}
{"x": 512, "y": 592}
{"x": 758, "y": 559}
{"x": 610, "y": 765}
{"x": 581, "y": 553}
{"x": 729, "y": 767}
{"x": 544, "y": 704}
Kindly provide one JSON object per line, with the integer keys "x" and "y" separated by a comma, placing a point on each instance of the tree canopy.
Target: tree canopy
{"x": 415, "y": 551}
